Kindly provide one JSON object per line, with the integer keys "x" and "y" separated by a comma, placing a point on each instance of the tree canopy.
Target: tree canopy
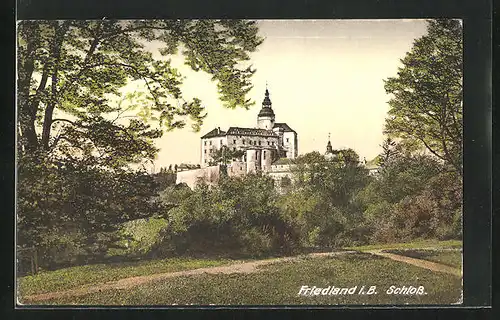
{"x": 83, "y": 138}
{"x": 70, "y": 71}
{"x": 426, "y": 103}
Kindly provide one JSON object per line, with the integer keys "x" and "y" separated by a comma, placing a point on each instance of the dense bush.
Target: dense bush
{"x": 239, "y": 216}
{"x": 413, "y": 197}
{"x": 88, "y": 215}
{"x": 71, "y": 212}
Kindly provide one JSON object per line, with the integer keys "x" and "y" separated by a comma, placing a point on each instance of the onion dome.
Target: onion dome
{"x": 266, "y": 110}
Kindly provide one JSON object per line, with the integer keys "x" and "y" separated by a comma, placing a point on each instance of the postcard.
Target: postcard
{"x": 239, "y": 162}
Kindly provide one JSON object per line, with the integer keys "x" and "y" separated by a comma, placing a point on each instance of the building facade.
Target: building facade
{"x": 257, "y": 148}
{"x": 260, "y": 146}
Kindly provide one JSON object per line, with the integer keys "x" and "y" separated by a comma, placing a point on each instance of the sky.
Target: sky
{"x": 324, "y": 76}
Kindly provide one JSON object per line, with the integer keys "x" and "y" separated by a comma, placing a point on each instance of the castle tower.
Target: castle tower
{"x": 265, "y": 119}
{"x": 329, "y": 150}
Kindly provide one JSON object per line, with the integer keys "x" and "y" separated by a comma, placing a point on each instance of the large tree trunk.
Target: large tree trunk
{"x": 26, "y": 115}
{"x": 49, "y": 110}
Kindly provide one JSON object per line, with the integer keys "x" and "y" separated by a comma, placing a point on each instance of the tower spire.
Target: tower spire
{"x": 265, "y": 118}
{"x": 329, "y": 148}
{"x": 267, "y": 100}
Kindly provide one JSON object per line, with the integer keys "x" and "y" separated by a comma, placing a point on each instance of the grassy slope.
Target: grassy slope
{"x": 98, "y": 273}
{"x": 280, "y": 283}
{"x": 412, "y": 245}
{"x": 449, "y": 258}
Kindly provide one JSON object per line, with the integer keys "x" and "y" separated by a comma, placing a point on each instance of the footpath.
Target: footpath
{"x": 242, "y": 267}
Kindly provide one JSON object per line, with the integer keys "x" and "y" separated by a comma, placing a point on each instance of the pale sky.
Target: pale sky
{"x": 324, "y": 76}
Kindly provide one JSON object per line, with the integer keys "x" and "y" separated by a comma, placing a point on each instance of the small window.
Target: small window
{"x": 210, "y": 142}
{"x": 287, "y": 140}
{"x": 205, "y": 143}
{"x": 205, "y": 150}
{"x": 220, "y": 141}
{"x": 268, "y": 143}
{"x": 234, "y": 148}
{"x": 234, "y": 141}
{"x": 243, "y": 141}
{"x": 260, "y": 143}
{"x": 256, "y": 156}
{"x": 264, "y": 154}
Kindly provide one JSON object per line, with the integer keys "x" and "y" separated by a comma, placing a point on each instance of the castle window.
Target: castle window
{"x": 205, "y": 143}
{"x": 210, "y": 142}
{"x": 260, "y": 143}
{"x": 287, "y": 140}
{"x": 264, "y": 154}
{"x": 234, "y": 148}
{"x": 205, "y": 150}
{"x": 234, "y": 141}
{"x": 268, "y": 143}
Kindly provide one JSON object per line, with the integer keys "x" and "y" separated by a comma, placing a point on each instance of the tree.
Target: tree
{"x": 82, "y": 140}
{"x": 388, "y": 152}
{"x": 334, "y": 184}
{"x": 69, "y": 72}
{"x": 426, "y": 103}
{"x": 74, "y": 210}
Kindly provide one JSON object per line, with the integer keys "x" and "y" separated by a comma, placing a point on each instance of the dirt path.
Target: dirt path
{"x": 438, "y": 267}
{"x": 243, "y": 267}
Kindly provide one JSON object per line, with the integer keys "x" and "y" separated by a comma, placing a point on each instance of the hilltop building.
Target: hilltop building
{"x": 269, "y": 148}
{"x": 261, "y": 145}
{"x": 264, "y": 148}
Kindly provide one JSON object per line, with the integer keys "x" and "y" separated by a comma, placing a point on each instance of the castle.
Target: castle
{"x": 267, "y": 148}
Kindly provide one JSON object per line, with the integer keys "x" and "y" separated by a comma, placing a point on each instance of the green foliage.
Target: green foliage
{"x": 83, "y": 143}
{"x": 238, "y": 216}
{"x": 73, "y": 69}
{"x": 140, "y": 235}
{"x": 325, "y": 198}
{"x": 413, "y": 197}
{"x": 71, "y": 211}
{"x": 426, "y": 105}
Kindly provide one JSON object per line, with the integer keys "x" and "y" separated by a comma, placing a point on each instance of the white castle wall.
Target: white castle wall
{"x": 209, "y": 146}
{"x": 191, "y": 177}
{"x": 251, "y": 161}
{"x": 266, "y": 159}
{"x": 290, "y": 144}
{"x": 237, "y": 168}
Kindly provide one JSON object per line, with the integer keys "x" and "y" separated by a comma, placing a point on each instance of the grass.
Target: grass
{"x": 280, "y": 283}
{"x": 411, "y": 245}
{"x": 449, "y": 258}
{"x": 73, "y": 277}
